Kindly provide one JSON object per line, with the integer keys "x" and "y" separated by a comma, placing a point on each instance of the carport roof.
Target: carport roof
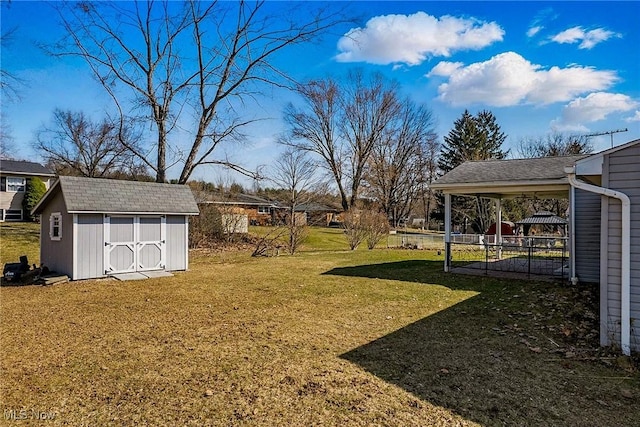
{"x": 543, "y": 177}
{"x": 95, "y": 195}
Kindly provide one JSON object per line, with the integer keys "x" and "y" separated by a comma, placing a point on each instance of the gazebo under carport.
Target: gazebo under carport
{"x": 543, "y": 178}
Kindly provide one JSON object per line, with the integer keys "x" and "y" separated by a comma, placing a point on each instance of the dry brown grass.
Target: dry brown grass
{"x": 322, "y": 338}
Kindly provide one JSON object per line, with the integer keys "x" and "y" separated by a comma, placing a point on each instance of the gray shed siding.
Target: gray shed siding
{"x": 57, "y": 254}
{"x": 621, "y": 171}
{"x": 89, "y": 246}
{"x": 587, "y": 236}
{"x": 177, "y": 242}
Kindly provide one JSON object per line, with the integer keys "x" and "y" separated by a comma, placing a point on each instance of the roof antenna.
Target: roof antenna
{"x": 609, "y": 132}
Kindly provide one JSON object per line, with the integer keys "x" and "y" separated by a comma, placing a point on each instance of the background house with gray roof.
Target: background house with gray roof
{"x": 14, "y": 175}
{"x": 94, "y": 227}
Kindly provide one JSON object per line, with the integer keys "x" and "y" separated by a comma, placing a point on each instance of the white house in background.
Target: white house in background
{"x": 14, "y": 175}
{"x": 94, "y": 227}
{"x": 604, "y": 194}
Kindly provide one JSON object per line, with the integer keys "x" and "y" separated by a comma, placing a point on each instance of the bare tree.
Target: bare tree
{"x": 549, "y": 145}
{"x": 190, "y": 65}
{"x": 7, "y": 143}
{"x": 314, "y": 128}
{"x": 394, "y": 174}
{"x": 370, "y": 107}
{"x": 428, "y": 172}
{"x": 9, "y": 82}
{"x": 75, "y": 144}
{"x": 342, "y": 123}
{"x": 9, "y": 90}
{"x": 554, "y": 144}
{"x": 295, "y": 173}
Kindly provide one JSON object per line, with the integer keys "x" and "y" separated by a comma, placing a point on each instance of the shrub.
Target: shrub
{"x": 354, "y": 229}
{"x": 360, "y": 225}
{"x": 206, "y": 228}
{"x": 377, "y": 226}
{"x": 33, "y": 192}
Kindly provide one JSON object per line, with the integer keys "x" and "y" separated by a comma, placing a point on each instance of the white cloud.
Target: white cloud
{"x": 445, "y": 68}
{"x": 588, "y": 39}
{"x": 559, "y": 126}
{"x": 509, "y": 79}
{"x": 634, "y": 118}
{"x": 411, "y": 39}
{"x": 592, "y": 108}
{"x": 534, "y": 30}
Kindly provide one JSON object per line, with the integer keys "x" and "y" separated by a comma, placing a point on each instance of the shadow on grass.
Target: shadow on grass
{"x": 494, "y": 358}
{"x": 421, "y": 271}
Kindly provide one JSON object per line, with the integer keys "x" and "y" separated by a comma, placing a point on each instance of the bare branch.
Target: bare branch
{"x": 151, "y": 57}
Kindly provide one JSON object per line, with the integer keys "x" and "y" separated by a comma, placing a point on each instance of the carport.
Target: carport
{"x": 497, "y": 180}
{"x": 604, "y": 235}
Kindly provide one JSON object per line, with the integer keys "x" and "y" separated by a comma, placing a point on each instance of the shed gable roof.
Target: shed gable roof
{"x": 24, "y": 168}
{"x": 117, "y": 196}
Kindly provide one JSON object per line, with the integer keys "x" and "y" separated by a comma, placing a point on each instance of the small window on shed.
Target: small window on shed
{"x": 263, "y": 209}
{"x": 55, "y": 226}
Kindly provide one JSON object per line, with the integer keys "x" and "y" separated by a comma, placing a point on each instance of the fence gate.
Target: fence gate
{"x": 134, "y": 243}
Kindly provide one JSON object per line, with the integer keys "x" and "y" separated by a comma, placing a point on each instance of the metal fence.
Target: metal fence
{"x": 415, "y": 241}
{"x": 426, "y": 241}
{"x": 528, "y": 255}
{"x": 543, "y": 255}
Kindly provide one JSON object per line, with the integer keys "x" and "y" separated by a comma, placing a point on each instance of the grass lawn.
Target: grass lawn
{"x": 325, "y": 337}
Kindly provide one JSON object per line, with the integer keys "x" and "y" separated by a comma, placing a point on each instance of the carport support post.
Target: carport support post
{"x": 447, "y": 232}
{"x": 499, "y": 228}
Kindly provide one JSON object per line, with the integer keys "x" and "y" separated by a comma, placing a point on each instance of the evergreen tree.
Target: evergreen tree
{"x": 33, "y": 192}
{"x": 472, "y": 138}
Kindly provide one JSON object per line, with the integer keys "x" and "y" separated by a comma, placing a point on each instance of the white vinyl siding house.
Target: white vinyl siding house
{"x": 14, "y": 175}
{"x": 97, "y": 227}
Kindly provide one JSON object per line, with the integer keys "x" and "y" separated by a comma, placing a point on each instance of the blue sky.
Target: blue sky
{"x": 538, "y": 66}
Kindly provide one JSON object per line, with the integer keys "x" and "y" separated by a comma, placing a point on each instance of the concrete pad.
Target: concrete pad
{"x": 157, "y": 273}
{"x": 129, "y": 276}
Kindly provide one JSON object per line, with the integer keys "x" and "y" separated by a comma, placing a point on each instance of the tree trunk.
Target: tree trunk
{"x": 161, "y": 173}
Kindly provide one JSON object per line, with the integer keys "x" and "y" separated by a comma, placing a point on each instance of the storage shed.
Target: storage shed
{"x": 93, "y": 227}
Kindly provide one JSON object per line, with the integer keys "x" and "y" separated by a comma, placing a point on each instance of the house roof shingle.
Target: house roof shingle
{"x": 543, "y": 177}
{"x": 238, "y": 199}
{"x": 117, "y": 196}
{"x": 537, "y": 169}
{"x": 314, "y": 207}
{"x": 24, "y": 168}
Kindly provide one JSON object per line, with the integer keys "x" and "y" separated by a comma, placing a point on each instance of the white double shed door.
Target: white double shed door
{"x": 134, "y": 243}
